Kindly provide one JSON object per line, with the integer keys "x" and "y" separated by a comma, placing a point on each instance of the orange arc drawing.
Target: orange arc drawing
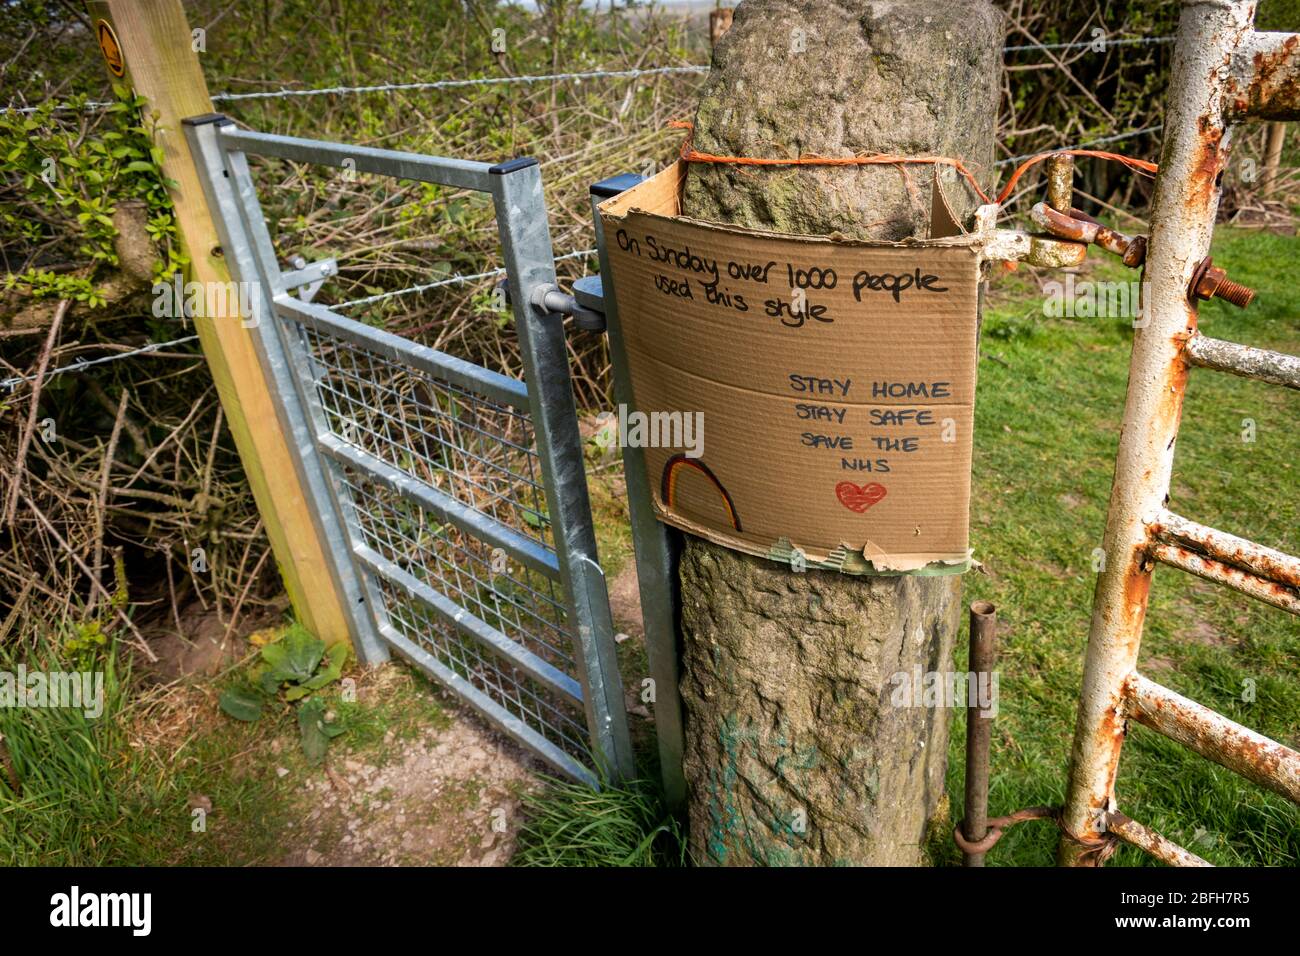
{"x": 668, "y": 487}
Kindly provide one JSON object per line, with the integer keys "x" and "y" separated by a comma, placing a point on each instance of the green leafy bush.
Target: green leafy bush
{"x": 65, "y": 183}
{"x": 291, "y": 669}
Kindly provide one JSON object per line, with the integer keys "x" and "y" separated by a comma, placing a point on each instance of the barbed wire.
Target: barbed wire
{"x": 1090, "y": 143}
{"x": 1093, "y": 44}
{"x": 9, "y": 384}
{"x": 411, "y": 290}
{"x": 81, "y": 365}
{"x": 420, "y": 85}
{"x": 450, "y": 280}
{"x": 94, "y": 106}
{"x": 550, "y": 77}
{"x": 454, "y": 84}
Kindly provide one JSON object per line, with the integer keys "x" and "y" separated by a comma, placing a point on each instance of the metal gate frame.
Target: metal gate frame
{"x": 656, "y": 545}
{"x": 518, "y": 687}
{"x": 1223, "y": 72}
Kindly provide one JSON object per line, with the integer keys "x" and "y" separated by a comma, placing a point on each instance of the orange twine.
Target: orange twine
{"x": 1141, "y": 165}
{"x": 691, "y": 155}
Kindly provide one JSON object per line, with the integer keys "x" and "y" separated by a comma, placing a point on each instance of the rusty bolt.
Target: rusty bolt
{"x": 1136, "y": 253}
{"x": 1210, "y": 282}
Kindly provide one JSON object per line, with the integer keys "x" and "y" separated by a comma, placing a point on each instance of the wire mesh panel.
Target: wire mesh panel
{"x": 436, "y": 576}
{"x": 460, "y": 491}
{"x": 478, "y": 451}
{"x": 525, "y": 606}
{"x": 554, "y": 717}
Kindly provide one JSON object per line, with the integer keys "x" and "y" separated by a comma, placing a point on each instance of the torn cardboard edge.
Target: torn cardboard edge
{"x": 659, "y": 198}
{"x": 869, "y": 560}
{"x": 844, "y": 559}
{"x": 943, "y": 223}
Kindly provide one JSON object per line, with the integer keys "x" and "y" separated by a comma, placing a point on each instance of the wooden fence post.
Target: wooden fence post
{"x": 1272, "y": 157}
{"x": 155, "y": 56}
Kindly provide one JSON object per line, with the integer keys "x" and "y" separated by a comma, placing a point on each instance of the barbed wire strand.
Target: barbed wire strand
{"x": 423, "y": 85}
{"x": 550, "y": 77}
{"x": 1081, "y": 44}
{"x": 81, "y": 365}
{"x": 455, "y": 84}
{"x": 450, "y": 280}
{"x": 9, "y": 384}
{"x": 1092, "y": 142}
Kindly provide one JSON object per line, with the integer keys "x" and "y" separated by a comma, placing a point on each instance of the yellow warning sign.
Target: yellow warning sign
{"x": 111, "y": 49}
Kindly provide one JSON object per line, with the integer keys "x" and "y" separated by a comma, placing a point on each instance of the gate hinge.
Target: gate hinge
{"x": 579, "y": 304}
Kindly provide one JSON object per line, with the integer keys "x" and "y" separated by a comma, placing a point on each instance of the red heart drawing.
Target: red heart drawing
{"x": 859, "y": 498}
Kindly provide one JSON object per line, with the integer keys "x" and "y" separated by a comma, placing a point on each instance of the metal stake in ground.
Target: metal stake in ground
{"x": 979, "y": 726}
{"x": 793, "y": 752}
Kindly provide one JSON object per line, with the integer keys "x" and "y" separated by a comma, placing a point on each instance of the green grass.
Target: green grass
{"x": 85, "y": 796}
{"x": 1047, "y": 425}
{"x": 106, "y": 792}
{"x": 569, "y": 824}
{"x": 58, "y": 802}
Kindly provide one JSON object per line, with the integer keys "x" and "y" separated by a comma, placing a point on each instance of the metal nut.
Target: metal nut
{"x": 1210, "y": 282}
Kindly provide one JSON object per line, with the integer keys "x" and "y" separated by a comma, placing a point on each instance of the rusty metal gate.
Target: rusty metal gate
{"x": 453, "y": 497}
{"x": 1223, "y": 74}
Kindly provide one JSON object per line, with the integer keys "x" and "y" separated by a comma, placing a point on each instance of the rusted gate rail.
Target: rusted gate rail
{"x": 1224, "y": 73}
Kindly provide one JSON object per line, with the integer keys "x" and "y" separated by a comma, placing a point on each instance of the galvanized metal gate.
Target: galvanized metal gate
{"x": 453, "y": 497}
{"x": 1223, "y": 73}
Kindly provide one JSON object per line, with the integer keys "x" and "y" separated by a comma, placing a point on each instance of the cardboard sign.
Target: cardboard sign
{"x": 800, "y": 398}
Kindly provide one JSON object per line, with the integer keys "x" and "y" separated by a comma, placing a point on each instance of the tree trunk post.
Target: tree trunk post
{"x": 793, "y": 753}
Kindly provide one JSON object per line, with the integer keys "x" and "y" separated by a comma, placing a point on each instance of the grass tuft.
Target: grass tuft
{"x": 58, "y": 801}
{"x": 569, "y": 824}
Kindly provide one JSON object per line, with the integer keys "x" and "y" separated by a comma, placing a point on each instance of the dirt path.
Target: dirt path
{"x": 419, "y": 778}
{"x": 449, "y": 797}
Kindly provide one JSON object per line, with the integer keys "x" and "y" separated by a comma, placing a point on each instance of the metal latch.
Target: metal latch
{"x": 1060, "y": 219}
{"x": 1077, "y": 226}
{"x": 308, "y": 277}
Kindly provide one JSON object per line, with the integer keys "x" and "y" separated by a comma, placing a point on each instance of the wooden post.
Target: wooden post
{"x": 155, "y": 56}
{"x": 1272, "y": 156}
